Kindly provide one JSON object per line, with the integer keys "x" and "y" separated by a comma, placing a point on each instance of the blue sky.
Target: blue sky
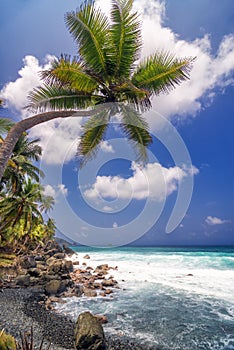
{"x": 108, "y": 196}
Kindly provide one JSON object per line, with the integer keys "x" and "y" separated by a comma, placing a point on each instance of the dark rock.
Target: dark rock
{"x": 108, "y": 283}
{"x": 79, "y": 290}
{"x": 52, "y": 287}
{"x": 90, "y": 292}
{"x": 67, "y": 266}
{"x": 59, "y": 256}
{"x": 55, "y": 266}
{"x": 89, "y": 333}
{"x": 34, "y": 272}
{"x": 86, "y": 256}
{"x": 101, "y": 318}
{"x": 67, "y": 250}
{"x": 27, "y": 262}
{"x": 23, "y": 280}
{"x": 102, "y": 267}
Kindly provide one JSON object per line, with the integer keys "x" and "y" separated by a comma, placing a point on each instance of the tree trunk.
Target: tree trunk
{"x": 16, "y": 131}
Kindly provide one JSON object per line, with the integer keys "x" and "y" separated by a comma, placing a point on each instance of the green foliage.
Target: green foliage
{"x": 7, "y": 342}
{"x": 22, "y": 201}
{"x": 107, "y": 71}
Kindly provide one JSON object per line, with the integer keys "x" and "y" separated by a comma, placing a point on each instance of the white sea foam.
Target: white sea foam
{"x": 166, "y": 298}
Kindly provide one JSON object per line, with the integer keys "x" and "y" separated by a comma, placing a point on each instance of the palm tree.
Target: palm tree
{"x": 105, "y": 72}
{"x": 26, "y": 206}
{"x": 20, "y": 164}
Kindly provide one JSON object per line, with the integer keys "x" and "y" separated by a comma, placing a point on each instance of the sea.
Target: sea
{"x": 169, "y": 297}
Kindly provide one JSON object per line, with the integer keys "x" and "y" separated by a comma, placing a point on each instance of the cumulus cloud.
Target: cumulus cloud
{"x": 15, "y": 93}
{"x": 213, "y": 220}
{"x": 58, "y": 137}
{"x": 55, "y": 191}
{"x": 106, "y": 147}
{"x": 153, "y": 181}
{"x": 211, "y": 73}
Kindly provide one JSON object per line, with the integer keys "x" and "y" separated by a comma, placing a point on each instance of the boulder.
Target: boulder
{"x": 108, "y": 283}
{"x": 89, "y": 333}
{"x": 55, "y": 266}
{"x": 34, "y": 272}
{"x": 59, "y": 256}
{"x": 67, "y": 250}
{"x": 27, "y": 262}
{"x": 23, "y": 280}
{"x": 90, "y": 292}
{"x": 67, "y": 266}
{"x": 101, "y": 318}
{"x": 53, "y": 287}
{"x": 86, "y": 256}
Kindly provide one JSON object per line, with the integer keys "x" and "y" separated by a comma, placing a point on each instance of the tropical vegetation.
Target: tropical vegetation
{"x": 105, "y": 78}
{"x": 22, "y": 199}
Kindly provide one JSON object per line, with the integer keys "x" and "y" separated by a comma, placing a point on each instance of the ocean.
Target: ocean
{"x": 170, "y": 298}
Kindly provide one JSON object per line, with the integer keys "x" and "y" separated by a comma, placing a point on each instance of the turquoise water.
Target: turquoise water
{"x": 173, "y": 298}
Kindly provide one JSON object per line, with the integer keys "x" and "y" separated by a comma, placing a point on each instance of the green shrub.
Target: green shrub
{"x": 7, "y": 342}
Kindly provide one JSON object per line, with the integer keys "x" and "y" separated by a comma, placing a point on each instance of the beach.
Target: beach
{"x": 19, "y": 310}
{"x": 167, "y": 298}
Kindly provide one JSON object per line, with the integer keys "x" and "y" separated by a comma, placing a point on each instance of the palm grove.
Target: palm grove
{"x": 105, "y": 79}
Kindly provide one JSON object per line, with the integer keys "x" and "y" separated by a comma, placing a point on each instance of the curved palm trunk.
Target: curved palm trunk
{"x": 16, "y": 131}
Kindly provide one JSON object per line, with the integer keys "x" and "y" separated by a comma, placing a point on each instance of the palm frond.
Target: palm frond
{"x": 136, "y": 129}
{"x": 71, "y": 73}
{"x": 57, "y": 98}
{"x": 127, "y": 91}
{"x": 161, "y": 72}
{"x": 5, "y": 125}
{"x": 89, "y": 28}
{"x": 93, "y": 133}
{"x": 126, "y": 37}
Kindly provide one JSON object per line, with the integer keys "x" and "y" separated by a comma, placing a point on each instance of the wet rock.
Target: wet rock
{"x": 89, "y": 333}
{"x": 108, "y": 283}
{"x": 67, "y": 250}
{"x": 86, "y": 256}
{"x": 101, "y": 318}
{"x": 90, "y": 292}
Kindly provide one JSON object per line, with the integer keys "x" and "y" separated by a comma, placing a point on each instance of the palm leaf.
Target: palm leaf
{"x": 89, "y": 27}
{"x": 132, "y": 94}
{"x": 93, "y": 134}
{"x": 161, "y": 72}
{"x": 57, "y": 98}
{"x": 70, "y": 73}
{"x": 136, "y": 129}
{"x": 126, "y": 37}
{"x": 5, "y": 125}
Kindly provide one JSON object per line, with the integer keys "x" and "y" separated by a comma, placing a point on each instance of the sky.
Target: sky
{"x": 184, "y": 195}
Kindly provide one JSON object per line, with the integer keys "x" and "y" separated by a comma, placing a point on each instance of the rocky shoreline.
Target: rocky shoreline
{"x": 37, "y": 281}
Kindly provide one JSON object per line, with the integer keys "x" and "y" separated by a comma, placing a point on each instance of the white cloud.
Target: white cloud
{"x": 106, "y": 147}
{"x": 107, "y": 209}
{"x": 55, "y": 191}
{"x": 15, "y": 93}
{"x": 153, "y": 181}
{"x": 115, "y": 225}
{"x": 213, "y": 220}
{"x": 59, "y": 137}
{"x": 211, "y": 72}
